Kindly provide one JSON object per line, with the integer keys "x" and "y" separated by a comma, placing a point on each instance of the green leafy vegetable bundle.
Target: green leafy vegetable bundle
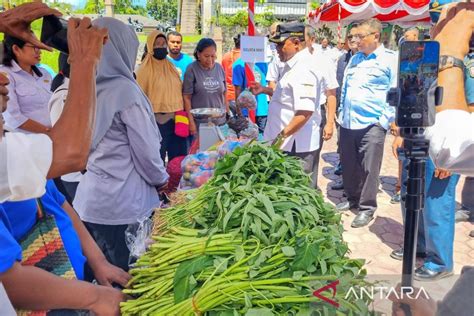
{"x": 256, "y": 239}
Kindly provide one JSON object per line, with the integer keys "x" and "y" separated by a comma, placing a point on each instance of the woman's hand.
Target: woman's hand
{"x": 107, "y": 274}
{"x": 107, "y": 302}
{"x": 3, "y": 99}
{"x": 192, "y": 126}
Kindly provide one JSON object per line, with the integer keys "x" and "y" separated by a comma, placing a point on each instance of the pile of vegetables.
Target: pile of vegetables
{"x": 255, "y": 239}
{"x": 198, "y": 169}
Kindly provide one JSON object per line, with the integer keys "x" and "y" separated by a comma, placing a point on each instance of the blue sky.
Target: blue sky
{"x": 81, "y": 3}
{"x": 76, "y": 3}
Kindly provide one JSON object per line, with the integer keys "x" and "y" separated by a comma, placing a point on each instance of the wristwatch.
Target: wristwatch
{"x": 447, "y": 61}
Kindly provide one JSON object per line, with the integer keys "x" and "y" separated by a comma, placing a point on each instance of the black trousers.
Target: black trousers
{"x": 171, "y": 144}
{"x": 111, "y": 240}
{"x": 261, "y": 123}
{"x": 68, "y": 189}
{"x": 308, "y": 159}
{"x": 361, "y": 157}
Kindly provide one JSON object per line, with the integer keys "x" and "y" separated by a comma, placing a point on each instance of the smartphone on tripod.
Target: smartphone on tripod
{"x": 417, "y": 77}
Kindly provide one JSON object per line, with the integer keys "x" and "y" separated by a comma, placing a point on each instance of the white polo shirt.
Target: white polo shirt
{"x": 330, "y": 53}
{"x": 275, "y": 70}
{"x": 297, "y": 90}
{"x": 452, "y": 141}
{"x": 25, "y": 160}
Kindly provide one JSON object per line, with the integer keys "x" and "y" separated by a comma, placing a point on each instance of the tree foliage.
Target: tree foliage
{"x": 65, "y": 8}
{"x": 121, "y": 7}
{"x": 315, "y": 4}
{"x": 162, "y": 10}
{"x": 93, "y": 7}
{"x": 325, "y": 32}
{"x": 240, "y": 18}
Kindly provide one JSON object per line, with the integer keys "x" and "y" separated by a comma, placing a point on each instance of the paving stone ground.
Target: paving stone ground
{"x": 376, "y": 241}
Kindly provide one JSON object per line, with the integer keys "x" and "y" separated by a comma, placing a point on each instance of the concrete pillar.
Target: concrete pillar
{"x": 308, "y": 7}
{"x": 109, "y": 8}
{"x": 206, "y": 17}
{"x": 219, "y": 39}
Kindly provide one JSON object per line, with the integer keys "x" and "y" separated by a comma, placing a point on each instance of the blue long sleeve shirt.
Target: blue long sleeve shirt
{"x": 367, "y": 80}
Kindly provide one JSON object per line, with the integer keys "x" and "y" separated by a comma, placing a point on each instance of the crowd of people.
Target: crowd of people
{"x": 90, "y": 146}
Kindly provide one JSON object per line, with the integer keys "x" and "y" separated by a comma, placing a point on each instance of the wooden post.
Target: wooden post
{"x": 249, "y": 67}
{"x": 219, "y": 39}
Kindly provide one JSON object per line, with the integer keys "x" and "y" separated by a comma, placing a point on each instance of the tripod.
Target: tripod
{"x": 416, "y": 150}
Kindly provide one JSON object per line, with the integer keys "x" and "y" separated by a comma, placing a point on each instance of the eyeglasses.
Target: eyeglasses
{"x": 360, "y": 36}
{"x": 36, "y": 49}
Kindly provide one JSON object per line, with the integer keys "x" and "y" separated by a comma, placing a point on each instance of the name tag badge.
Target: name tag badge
{"x": 308, "y": 90}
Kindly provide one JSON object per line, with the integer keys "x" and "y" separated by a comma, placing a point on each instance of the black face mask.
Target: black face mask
{"x": 160, "y": 53}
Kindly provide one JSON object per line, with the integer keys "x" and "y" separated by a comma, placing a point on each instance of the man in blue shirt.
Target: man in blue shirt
{"x": 365, "y": 117}
{"x": 181, "y": 61}
{"x": 240, "y": 82}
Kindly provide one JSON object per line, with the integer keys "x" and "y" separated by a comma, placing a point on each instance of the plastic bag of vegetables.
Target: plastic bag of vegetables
{"x": 197, "y": 169}
{"x": 229, "y": 146}
{"x": 246, "y": 100}
{"x": 196, "y": 179}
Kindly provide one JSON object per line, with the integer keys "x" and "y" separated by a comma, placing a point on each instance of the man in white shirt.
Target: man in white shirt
{"x": 452, "y": 136}
{"x": 27, "y": 160}
{"x": 340, "y": 48}
{"x": 328, "y": 85}
{"x": 292, "y": 111}
{"x": 326, "y": 50}
{"x": 412, "y": 34}
{"x": 275, "y": 67}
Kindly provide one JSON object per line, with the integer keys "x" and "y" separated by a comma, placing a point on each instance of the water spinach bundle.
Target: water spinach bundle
{"x": 254, "y": 240}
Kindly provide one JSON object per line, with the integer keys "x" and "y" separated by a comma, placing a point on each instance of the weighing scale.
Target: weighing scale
{"x": 209, "y": 131}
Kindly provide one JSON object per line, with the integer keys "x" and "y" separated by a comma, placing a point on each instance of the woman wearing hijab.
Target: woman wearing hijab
{"x": 160, "y": 81}
{"x": 125, "y": 170}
